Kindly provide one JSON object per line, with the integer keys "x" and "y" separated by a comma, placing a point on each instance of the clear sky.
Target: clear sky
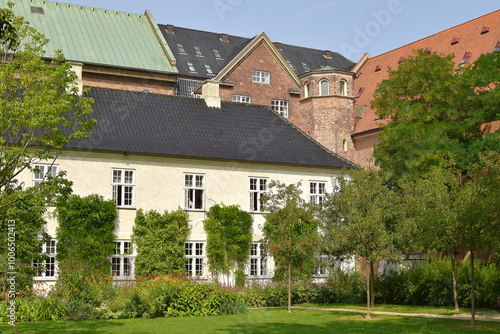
{"x": 350, "y": 27}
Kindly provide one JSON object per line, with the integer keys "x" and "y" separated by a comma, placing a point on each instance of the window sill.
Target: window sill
{"x": 126, "y": 208}
{"x": 194, "y": 210}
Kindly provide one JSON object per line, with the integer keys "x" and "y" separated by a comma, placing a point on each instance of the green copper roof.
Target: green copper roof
{"x": 98, "y": 36}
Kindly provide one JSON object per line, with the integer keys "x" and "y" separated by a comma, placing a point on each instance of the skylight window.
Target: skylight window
{"x": 465, "y": 59}
{"x": 216, "y": 53}
{"x": 209, "y": 70}
{"x": 360, "y": 92}
{"x": 402, "y": 59}
{"x": 497, "y": 48}
{"x": 198, "y": 52}
{"x": 428, "y": 50}
{"x": 485, "y": 30}
{"x": 291, "y": 65}
{"x": 181, "y": 48}
{"x": 455, "y": 40}
{"x": 378, "y": 68}
{"x": 305, "y": 66}
{"x": 191, "y": 67}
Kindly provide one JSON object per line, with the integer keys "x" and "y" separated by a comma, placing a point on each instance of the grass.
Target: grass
{"x": 265, "y": 321}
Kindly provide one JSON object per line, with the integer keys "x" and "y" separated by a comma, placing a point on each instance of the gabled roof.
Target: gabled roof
{"x": 207, "y": 41}
{"x": 172, "y": 126}
{"x": 98, "y": 36}
{"x": 471, "y": 39}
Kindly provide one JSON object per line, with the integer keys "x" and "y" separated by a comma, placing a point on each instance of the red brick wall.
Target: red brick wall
{"x": 127, "y": 83}
{"x": 363, "y": 146}
{"x": 278, "y": 88}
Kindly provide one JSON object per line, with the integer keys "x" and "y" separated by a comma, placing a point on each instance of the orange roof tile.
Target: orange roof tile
{"x": 472, "y": 39}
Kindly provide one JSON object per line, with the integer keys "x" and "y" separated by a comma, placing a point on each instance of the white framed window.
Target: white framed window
{"x": 323, "y": 87}
{"x": 317, "y": 191}
{"x": 261, "y": 76}
{"x": 123, "y": 187}
{"x": 197, "y": 51}
{"x": 241, "y": 99}
{"x": 305, "y": 66}
{"x": 194, "y": 252}
{"x": 190, "y": 66}
{"x": 258, "y": 261}
{"x": 343, "y": 88}
{"x": 208, "y": 69}
{"x": 122, "y": 260}
{"x": 281, "y": 107}
{"x": 344, "y": 145}
{"x": 258, "y": 188}
{"x": 217, "y": 54}
{"x": 41, "y": 172}
{"x": 321, "y": 266}
{"x": 306, "y": 90}
{"x": 194, "y": 191}
{"x": 48, "y": 266}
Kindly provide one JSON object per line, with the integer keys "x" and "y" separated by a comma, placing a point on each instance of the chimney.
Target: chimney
{"x": 170, "y": 28}
{"x": 328, "y": 54}
{"x": 224, "y": 38}
{"x": 210, "y": 93}
{"x": 77, "y": 68}
{"x": 278, "y": 45}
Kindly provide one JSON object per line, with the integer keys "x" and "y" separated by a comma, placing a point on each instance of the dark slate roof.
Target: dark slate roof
{"x": 146, "y": 123}
{"x": 207, "y": 41}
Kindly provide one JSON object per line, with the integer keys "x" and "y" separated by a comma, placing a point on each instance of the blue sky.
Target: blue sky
{"x": 345, "y": 26}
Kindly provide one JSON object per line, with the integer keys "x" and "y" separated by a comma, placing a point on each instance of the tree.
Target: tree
{"x": 290, "y": 230}
{"x": 433, "y": 113}
{"x": 359, "y": 220}
{"x": 229, "y": 234}
{"x": 159, "y": 240}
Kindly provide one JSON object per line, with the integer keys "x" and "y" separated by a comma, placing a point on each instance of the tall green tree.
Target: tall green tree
{"x": 360, "y": 220}
{"x": 229, "y": 234}
{"x": 433, "y": 113}
{"x": 159, "y": 240}
{"x": 290, "y": 230}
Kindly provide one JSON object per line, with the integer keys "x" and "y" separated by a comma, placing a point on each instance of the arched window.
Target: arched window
{"x": 306, "y": 90}
{"x": 323, "y": 87}
{"x": 343, "y": 88}
{"x": 344, "y": 144}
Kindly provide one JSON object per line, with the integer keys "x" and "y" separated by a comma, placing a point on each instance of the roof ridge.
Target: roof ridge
{"x": 144, "y": 92}
{"x": 198, "y": 30}
{"x": 75, "y": 5}
{"x": 437, "y": 33}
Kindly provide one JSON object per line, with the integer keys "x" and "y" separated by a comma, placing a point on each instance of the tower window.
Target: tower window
{"x": 343, "y": 88}
{"x": 323, "y": 87}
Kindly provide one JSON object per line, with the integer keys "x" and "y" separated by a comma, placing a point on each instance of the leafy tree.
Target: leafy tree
{"x": 290, "y": 230}
{"x": 229, "y": 234}
{"x": 360, "y": 220}
{"x": 434, "y": 113}
{"x": 159, "y": 241}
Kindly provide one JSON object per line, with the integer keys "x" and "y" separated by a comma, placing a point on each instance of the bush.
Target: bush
{"x": 431, "y": 283}
{"x": 173, "y": 297}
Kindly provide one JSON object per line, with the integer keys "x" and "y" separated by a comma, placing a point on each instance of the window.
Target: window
{"x": 304, "y": 65}
{"x": 344, "y": 144}
{"x": 217, "y": 54}
{"x": 281, "y": 107}
{"x": 258, "y": 260}
{"x": 197, "y": 51}
{"x": 378, "y": 68}
{"x": 181, "y": 48}
{"x": 122, "y": 187}
{"x": 194, "y": 252}
{"x": 48, "y": 266}
{"x": 122, "y": 260}
{"x": 258, "y": 187}
{"x": 194, "y": 191}
{"x": 464, "y": 60}
{"x": 428, "y": 50}
{"x": 360, "y": 92}
{"x": 261, "y": 76}
{"x": 485, "y": 30}
{"x": 208, "y": 69}
{"x": 320, "y": 267}
{"x": 241, "y": 99}
{"x": 343, "y": 88}
{"x": 42, "y": 172}
{"x": 497, "y": 47}
{"x": 402, "y": 59}
{"x": 317, "y": 191}
{"x": 291, "y": 65}
{"x": 190, "y": 66}
{"x": 323, "y": 87}
{"x": 306, "y": 90}
{"x": 455, "y": 40}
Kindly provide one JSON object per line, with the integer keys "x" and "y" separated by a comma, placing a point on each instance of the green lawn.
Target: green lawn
{"x": 266, "y": 321}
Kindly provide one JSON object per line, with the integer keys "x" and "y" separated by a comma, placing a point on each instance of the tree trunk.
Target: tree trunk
{"x": 368, "y": 292}
{"x": 455, "y": 288}
{"x": 289, "y": 287}
{"x": 372, "y": 286}
{"x": 472, "y": 294}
